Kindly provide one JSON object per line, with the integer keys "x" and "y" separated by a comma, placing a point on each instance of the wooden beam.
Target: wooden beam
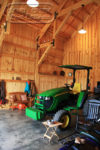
{"x": 8, "y": 80}
{"x": 76, "y": 17}
{"x": 36, "y": 71}
{"x": 44, "y": 54}
{"x": 54, "y": 28}
{"x": 45, "y": 45}
{"x": 11, "y": 10}
{"x": 3, "y": 7}
{"x": 57, "y": 31}
{"x": 2, "y": 35}
{"x": 54, "y": 3}
{"x": 62, "y": 23}
{"x": 45, "y": 28}
{"x": 97, "y": 1}
{"x": 86, "y": 19}
{"x": 9, "y": 15}
{"x": 74, "y": 7}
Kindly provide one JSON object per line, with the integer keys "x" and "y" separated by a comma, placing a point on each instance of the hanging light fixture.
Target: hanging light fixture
{"x": 32, "y": 3}
{"x": 82, "y": 30}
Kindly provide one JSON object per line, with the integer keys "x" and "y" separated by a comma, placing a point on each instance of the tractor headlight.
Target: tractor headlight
{"x": 47, "y": 98}
{"x": 41, "y": 97}
{"x": 48, "y": 101}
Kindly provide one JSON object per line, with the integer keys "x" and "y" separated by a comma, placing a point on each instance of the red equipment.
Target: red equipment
{"x": 0, "y": 102}
{"x": 19, "y": 106}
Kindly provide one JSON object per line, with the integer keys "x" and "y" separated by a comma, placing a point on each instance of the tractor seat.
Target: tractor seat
{"x": 77, "y": 88}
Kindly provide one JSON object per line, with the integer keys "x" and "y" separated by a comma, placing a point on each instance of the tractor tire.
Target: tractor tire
{"x": 64, "y": 117}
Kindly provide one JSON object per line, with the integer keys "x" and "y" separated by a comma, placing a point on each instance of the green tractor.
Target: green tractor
{"x": 59, "y": 102}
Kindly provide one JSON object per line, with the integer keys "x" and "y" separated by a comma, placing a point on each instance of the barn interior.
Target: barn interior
{"x": 35, "y": 39}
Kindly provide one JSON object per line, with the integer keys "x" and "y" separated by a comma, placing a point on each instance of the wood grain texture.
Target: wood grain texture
{"x": 85, "y": 50}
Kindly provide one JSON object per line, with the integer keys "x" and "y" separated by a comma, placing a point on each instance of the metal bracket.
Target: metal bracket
{"x": 53, "y": 42}
{"x": 37, "y": 39}
{"x": 55, "y": 14}
{"x": 5, "y": 26}
{"x": 37, "y": 46}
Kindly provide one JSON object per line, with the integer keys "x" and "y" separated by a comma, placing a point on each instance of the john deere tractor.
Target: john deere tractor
{"x": 59, "y": 102}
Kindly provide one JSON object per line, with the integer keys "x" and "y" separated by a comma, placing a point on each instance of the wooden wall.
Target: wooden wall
{"x": 85, "y": 50}
{"x": 18, "y": 59}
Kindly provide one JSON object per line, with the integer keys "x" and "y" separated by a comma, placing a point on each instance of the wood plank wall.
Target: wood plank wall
{"x": 18, "y": 56}
{"x": 85, "y": 50}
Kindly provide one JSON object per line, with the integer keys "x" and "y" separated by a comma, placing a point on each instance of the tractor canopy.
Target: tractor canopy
{"x": 78, "y": 67}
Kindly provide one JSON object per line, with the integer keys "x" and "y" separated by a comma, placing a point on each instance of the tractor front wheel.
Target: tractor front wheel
{"x": 64, "y": 117}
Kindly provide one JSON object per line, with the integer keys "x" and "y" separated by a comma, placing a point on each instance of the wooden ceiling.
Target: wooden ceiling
{"x": 44, "y": 14}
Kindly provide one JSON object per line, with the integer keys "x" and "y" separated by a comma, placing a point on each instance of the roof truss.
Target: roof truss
{"x": 67, "y": 12}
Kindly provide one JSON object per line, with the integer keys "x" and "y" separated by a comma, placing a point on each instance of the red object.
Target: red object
{"x": 0, "y": 102}
{"x": 21, "y": 106}
{"x": 13, "y": 107}
{"x": 28, "y": 82}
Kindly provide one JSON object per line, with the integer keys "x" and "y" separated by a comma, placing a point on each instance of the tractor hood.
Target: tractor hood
{"x": 54, "y": 92}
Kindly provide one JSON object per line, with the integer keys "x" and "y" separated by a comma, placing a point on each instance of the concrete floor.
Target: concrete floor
{"x": 18, "y": 132}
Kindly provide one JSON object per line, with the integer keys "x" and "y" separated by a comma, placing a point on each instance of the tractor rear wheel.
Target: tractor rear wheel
{"x": 64, "y": 117}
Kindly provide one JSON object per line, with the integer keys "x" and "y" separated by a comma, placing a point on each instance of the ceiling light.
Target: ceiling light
{"x": 82, "y": 31}
{"x": 32, "y": 3}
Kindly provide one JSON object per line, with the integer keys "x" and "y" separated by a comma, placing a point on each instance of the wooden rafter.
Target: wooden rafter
{"x": 62, "y": 23}
{"x": 74, "y": 7}
{"x": 76, "y": 17}
{"x": 97, "y": 1}
{"x": 45, "y": 28}
{"x": 54, "y": 28}
{"x": 22, "y": 19}
{"x": 45, "y": 44}
{"x": 44, "y": 54}
{"x": 55, "y": 34}
{"x": 2, "y": 35}
{"x": 3, "y": 7}
{"x": 54, "y": 3}
{"x": 68, "y": 14}
{"x": 9, "y": 15}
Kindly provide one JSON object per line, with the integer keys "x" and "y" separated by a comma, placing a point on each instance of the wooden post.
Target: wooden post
{"x": 54, "y": 28}
{"x": 36, "y": 77}
{"x": 2, "y": 35}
